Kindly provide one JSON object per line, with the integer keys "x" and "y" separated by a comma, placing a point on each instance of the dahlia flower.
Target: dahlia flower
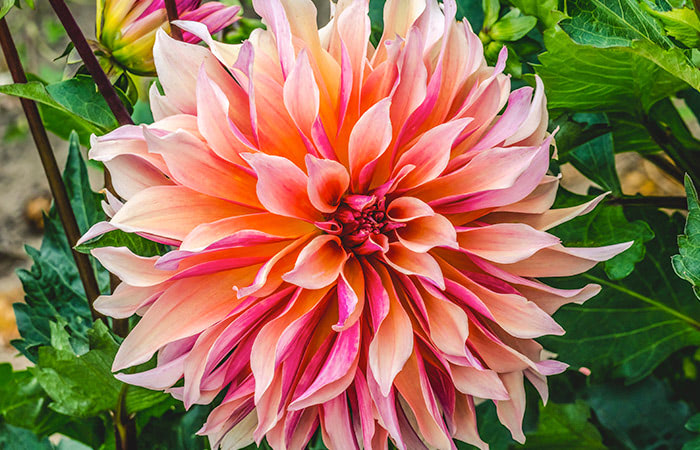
{"x": 126, "y": 29}
{"x": 357, "y": 233}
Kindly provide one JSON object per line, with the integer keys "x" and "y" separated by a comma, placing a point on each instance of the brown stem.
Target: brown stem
{"x": 48, "y": 160}
{"x": 124, "y": 425}
{"x": 171, "y": 10}
{"x": 93, "y": 66}
{"x": 667, "y": 166}
{"x": 670, "y": 202}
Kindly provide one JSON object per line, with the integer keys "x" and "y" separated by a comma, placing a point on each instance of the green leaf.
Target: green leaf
{"x": 630, "y": 135}
{"x": 491, "y": 10}
{"x": 687, "y": 263}
{"x": 84, "y": 386}
{"x": 545, "y": 10}
{"x": 693, "y": 425}
{"x": 55, "y": 116}
{"x": 611, "y": 23}
{"x": 52, "y": 286}
{"x": 565, "y": 426}
{"x": 596, "y": 160}
{"x": 605, "y": 225}
{"x": 118, "y": 238}
{"x": 641, "y": 416}
{"x": 14, "y": 438}
{"x": 5, "y": 7}
{"x": 512, "y": 26}
{"x": 682, "y": 23}
{"x": 636, "y": 323}
{"x": 613, "y": 79}
{"x": 81, "y": 97}
{"x": 175, "y": 429}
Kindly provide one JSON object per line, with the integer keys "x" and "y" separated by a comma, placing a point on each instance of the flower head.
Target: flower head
{"x": 358, "y": 233}
{"x": 126, "y": 29}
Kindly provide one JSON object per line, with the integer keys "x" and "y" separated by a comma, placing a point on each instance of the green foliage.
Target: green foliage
{"x": 565, "y": 426}
{"x": 693, "y": 426}
{"x": 118, "y": 238}
{"x": 68, "y": 105}
{"x": 687, "y": 263}
{"x": 5, "y": 6}
{"x": 634, "y": 324}
{"x": 83, "y": 385}
{"x": 642, "y": 416}
{"x": 52, "y": 286}
{"x": 681, "y": 23}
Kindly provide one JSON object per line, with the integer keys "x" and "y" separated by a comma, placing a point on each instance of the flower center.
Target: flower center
{"x": 357, "y": 218}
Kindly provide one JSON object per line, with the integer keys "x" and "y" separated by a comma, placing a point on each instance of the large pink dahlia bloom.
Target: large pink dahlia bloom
{"x": 357, "y": 232}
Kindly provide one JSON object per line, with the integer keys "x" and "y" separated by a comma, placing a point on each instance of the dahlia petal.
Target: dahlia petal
{"x": 560, "y": 261}
{"x": 370, "y": 138}
{"x": 392, "y": 344}
{"x": 449, "y": 325}
{"x": 411, "y": 263}
{"x": 425, "y": 233}
{"x": 405, "y": 209}
{"x": 364, "y": 409}
{"x": 226, "y": 53}
{"x": 178, "y": 79}
{"x": 465, "y": 423}
{"x": 514, "y": 116}
{"x": 132, "y": 174}
{"x": 213, "y": 122}
{"x": 534, "y": 127}
{"x": 172, "y": 211}
{"x": 301, "y": 94}
{"x": 548, "y": 219}
{"x": 328, "y": 181}
{"x": 386, "y": 410}
{"x": 335, "y": 424}
{"x": 179, "y": 312}
{"x": 318, "y": 264}
{"x": 241, "y": 435}
{"x": 159, "y": 378}
{"x": 479, "y": 383}
{"x": 505, "y": 243}
{"x": 126, "y": 300}
{"x": 511, "y": 412}
{"x": 351, "y": 294}
{"x": 193, "y": 165}
{"x": 132, "y": 269}
{"x": 398, "y": 16}
{"x": 281, "y": 186}
{"x": 354, "y": 29}
{"x": 244, "y": 230}
{"x": 339, "y": 366}
{"x": 430, "y": 154}
{"x": 538, "y": 201}
{"x": 275, "y": 17}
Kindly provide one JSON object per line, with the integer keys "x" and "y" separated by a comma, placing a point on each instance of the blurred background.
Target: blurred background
{"x": 24, "y": 193}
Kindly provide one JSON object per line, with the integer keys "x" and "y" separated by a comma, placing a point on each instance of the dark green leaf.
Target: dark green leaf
{"x": 611, "y": 23}
{"x": 596, "y": 160}
{"x": 636, "y": 323}
{"x": 14, "y": 438}
{"x": 80, "y": 97}
{"x": 687, "y": 263}
{"x": 630, "y": 135}
{"x": 52, "y": 286}
{"x": 605, "y": 225}
{"x": 175, "y": 430}
{"x": 84, "y": 386}
{"x": 564, "y": 426}
{"x": 55, "y": 116}
{"x": 619, "y": 79}
{"x": 642, "y": 416}
{"x": 132, "y": 241}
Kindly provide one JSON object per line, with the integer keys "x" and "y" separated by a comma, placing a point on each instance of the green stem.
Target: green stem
{"x": 670, "y": 202}
{"x": 645, "y": 299}
{"x": 124, "y": 426}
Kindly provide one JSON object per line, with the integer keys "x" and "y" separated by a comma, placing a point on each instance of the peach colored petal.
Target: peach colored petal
{"x": 319, "y": 263}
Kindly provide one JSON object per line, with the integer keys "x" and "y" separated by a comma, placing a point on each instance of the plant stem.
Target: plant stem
{"x": 93, "y": 66}
{"x": 674, "y": 148}
{"x": 171, "y": 10}
{"x": 124, "y": 426}
{"x": 48, "y": 160}
{"x": 670, "y": 202}
{"x": 667, "y": 166}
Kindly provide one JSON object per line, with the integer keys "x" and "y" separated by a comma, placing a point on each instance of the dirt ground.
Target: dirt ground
{"x": 23, "y": 186}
